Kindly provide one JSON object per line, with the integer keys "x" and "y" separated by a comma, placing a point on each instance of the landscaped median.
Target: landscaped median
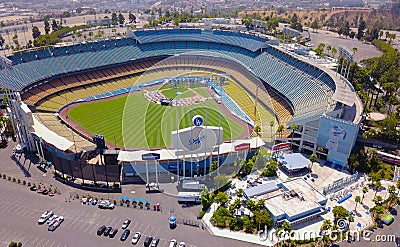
{"x": 39, "y": 188}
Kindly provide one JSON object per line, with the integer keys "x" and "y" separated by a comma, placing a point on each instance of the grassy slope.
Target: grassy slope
{"x": 145, "y": 124}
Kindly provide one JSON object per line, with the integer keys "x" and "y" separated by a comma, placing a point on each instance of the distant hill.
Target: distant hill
{"x": 389, "y": 18}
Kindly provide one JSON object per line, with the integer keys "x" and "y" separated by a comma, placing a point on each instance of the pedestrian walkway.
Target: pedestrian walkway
{"x": 246, "y": 237}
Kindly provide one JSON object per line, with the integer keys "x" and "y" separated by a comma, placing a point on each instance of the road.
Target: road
{"x": 21, "y": 209}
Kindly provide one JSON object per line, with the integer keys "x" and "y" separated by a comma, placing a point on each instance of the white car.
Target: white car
{"x": 53, "y": 217}
{"x": 45, "y": 216}
{"x": 126, "y": 223}
{"x": 136, "y": 237}
{"x": 182, "y": 244}
{"x": 57, "y": 222}
{"x": 172, "y": 243}
{"x": 106, "y": 205}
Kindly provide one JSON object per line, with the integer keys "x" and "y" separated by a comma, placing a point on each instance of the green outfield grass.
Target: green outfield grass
{"x": 142, "y": 124}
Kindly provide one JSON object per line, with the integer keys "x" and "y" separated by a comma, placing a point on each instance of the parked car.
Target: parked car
{"x": 113, "y": 232}
{"x": 148, "y": 241}
{"x": 172, "y": 243}
{"x": 155, "y": 242}
{"x": 50, "y": 193}
{"x": 45, "y": 216}
{"x": 56, "y": 223}
{"x": 107, "y": 231}
{"x": 125, "y": 235}
{"x": 106, "y": 205}
{"x": 45, "y": 192}
{"x": 398, "y": 241}
{"x": 182, "y": 244}
{"x": 40, "y": 191}
{"x": 126, "y": 223}
{"x": 33, "y": 188}
{"x": 136, "y": 237}
{"x": 53, "y": 217}
{"x": 101, "y": 230}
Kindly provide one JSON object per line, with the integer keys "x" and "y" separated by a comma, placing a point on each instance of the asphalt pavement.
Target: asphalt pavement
{"x": 21, "y": 208}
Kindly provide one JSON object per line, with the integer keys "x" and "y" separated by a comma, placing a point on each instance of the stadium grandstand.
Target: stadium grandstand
{"x": 269, "y": 84}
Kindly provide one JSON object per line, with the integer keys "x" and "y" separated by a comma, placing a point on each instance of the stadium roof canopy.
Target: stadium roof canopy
{"x": 51, "y": 137}
{"x": 171, "y": 154}
{"x": 294, "y": 161}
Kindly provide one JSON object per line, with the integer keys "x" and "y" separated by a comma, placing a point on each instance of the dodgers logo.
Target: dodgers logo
{"x": 197, "y": 120}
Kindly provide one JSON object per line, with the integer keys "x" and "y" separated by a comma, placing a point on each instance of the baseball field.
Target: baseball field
{"x": 131, "y": 121}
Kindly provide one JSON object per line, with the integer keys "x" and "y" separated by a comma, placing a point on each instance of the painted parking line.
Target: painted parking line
{"x": 88, "y": 227}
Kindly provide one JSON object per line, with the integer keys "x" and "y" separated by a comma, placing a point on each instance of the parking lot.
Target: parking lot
{"x": 21, "y": 209}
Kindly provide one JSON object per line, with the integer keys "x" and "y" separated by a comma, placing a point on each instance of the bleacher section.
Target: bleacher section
{"x": 84, "y": 80}
{"x": 247, "y": 41}
{"x": 288, "y": 81}
{"x": 54, "y": 124}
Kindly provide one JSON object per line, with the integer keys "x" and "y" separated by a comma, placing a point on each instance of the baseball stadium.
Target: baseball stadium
{"x": 177, "y": 97}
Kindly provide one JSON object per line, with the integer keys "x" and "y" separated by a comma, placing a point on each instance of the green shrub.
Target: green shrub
{"x": 201, "y": 214}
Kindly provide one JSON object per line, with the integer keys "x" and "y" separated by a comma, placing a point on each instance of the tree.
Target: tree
{"x": 398, "y": 187}
{"x": 262, "y": 219}
{"x": 46, "y": 26}
{"x": 280, "y": 130}
{"x": 206, "y": 198}
{"x": 35, "y": 32}
{"x": 361, "y": 28}
{"x": 132, "y": 17}
{"x": 392, "y": 200}
{"x": 377, "y": 211}
{"x": 334, "y": 51}
{"x": 320, "y": 49}
{"x": 221, "y": 198}
{"x": 339, "y": 212}
{"x": 313, "y": 158}
{"x": 1, "y": 41}
{"x": 357, "y": 200}
{"x": 214, "y": 166}
{"x": 248, "y": 224}
{"x": 293, "y": 127}
{"x": 54, "y": 25}
{"x": 365, "y": 190}
{"x": 326, "y": 225}
{"x": 240, "y": 192}
{"x": 257, "y": 130}
{"x": 377, "y": 186}
{"x": 114, "y": 18}
{"x": 121, "y": 19}
{"x": 314, "y": 25}
{"x": 392, "y": 189}
{"x": 378, "y": 200}
{"x": 250, "y": 204}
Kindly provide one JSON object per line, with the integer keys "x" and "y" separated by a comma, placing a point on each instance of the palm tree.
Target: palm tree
{"x": 365, "y": 190}
{"x": 358, "y": 200}
{"x": 293, "y": 127}
{"x": 319, "y": 149}
{"x": 257, "y": 130}
{"x": 398, "y": 187}
{"x": 281, "y": 128}
{"x": 392, "y": 189}
{"x": 333, "y": 51}
{"x": 378, "y": 200}
{"x": 326, "y": 225}
{"x": 377, "y": 186}
{"x": 271, "y": 124}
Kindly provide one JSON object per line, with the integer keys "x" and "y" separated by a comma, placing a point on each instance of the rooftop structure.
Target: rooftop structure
{"x": 298, "y": 202}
